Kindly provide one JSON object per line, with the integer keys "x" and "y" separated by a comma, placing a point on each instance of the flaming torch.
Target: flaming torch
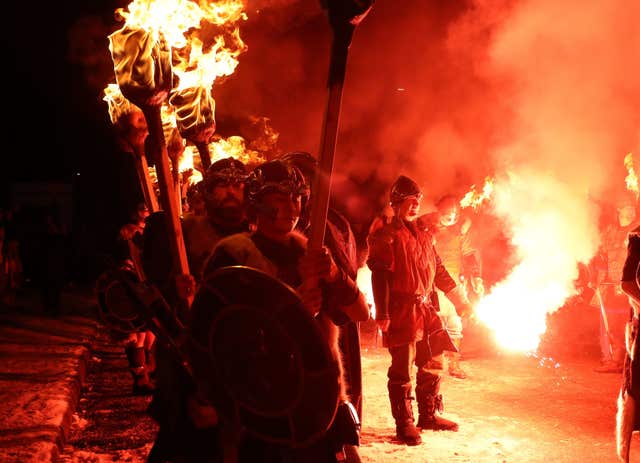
{"x": 197, "y": 71}
{"x": 475, "y": 198}
{"x": 631, "y": 179}
{"x": 119, "y": 106}
{"x": 141, "y": 53}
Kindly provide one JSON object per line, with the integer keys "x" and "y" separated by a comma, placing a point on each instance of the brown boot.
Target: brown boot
{"x": 436, "y": 423}
{"x": 150, "y": 361}
{"x": 430, "y": 404}
{"x": 402, "y": 411}
{"x": 142, "y": 385}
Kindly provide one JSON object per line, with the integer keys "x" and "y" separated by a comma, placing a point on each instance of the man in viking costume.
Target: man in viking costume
{"x": 275, "y": 194}
{"x": 405, "y": 269}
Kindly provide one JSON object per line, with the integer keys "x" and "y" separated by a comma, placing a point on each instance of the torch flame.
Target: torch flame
{"x": 197, "y": 67}
{"x": 235, "y": 147}
{"x": 186, "y": 165}
{"x": 161, "y": 39}
{"x": 117, "y": 103}
{"x": 475, "y": 199}
{"x": 631, "y": 179}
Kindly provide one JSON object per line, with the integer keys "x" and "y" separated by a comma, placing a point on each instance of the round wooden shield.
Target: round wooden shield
{"x": 118, "y": 308}
{"x": 261, "y": 358}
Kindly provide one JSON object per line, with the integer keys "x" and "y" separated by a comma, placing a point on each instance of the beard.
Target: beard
{"x": 228, "y": 212}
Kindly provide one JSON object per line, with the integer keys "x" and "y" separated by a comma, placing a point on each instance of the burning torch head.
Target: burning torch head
{"x": 131, "y": 131}
{"x": 274, "y": 177}
{"x": 448, "y": 210}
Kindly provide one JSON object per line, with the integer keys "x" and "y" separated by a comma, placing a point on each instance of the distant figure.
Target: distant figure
{"x": 452, "y": 237}
{"x": 139, "y": 346}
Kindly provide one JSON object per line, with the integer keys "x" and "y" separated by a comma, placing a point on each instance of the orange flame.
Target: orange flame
{"x": 186, "y": 165}
{"x": 474, "y": 198}
{"x": 118, "y": 105}
{"x": 234, "y": 146}
{"x": 631, "y": 179}
{"x": 161, "y": 39}
{"x": 197, "y": 67}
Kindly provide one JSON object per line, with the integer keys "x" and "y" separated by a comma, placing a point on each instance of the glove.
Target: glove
{"x": 459, "y": 300}
{"x": 478, "y": 286}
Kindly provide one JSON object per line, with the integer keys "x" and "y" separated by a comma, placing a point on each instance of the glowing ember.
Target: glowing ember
{"x": 474, "y": 198}
{"x": 631, "y": 179}
{"x": 552, "y": 230}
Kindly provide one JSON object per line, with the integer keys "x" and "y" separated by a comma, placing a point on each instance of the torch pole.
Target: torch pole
{"x": 167, "y": 192}
{"x": 605, "y": 321}
{"x": 142, "y": 168}
{"x": 321, "y": 183}
{"x": 177, "y": 186}
{"x": 205, "y": 156}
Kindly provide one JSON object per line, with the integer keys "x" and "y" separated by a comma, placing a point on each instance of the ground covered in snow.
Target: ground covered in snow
{"x": 511, "y": 409}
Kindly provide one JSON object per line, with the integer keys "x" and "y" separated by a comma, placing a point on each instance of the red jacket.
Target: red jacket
{"x": 412, "y": 268}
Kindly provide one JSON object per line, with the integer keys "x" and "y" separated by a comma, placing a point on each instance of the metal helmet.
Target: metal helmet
{"x": 275, "y": 176}
{"x": 404, "y": 188}
{"x": 225, "y": 171}
{"x": 303, "y": 161}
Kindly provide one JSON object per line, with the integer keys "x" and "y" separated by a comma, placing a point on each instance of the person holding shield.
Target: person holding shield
{"x": 187, "y": 423}
{"x": 341, "y": 241}
{"x": 275, "y": 194}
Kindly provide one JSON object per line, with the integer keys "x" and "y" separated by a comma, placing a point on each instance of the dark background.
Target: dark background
{"x": 402, "y": 79}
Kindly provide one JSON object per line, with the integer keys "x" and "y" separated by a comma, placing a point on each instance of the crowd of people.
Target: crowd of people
{"x": 426, "y": 272}
{"x": 258, "y": 217}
